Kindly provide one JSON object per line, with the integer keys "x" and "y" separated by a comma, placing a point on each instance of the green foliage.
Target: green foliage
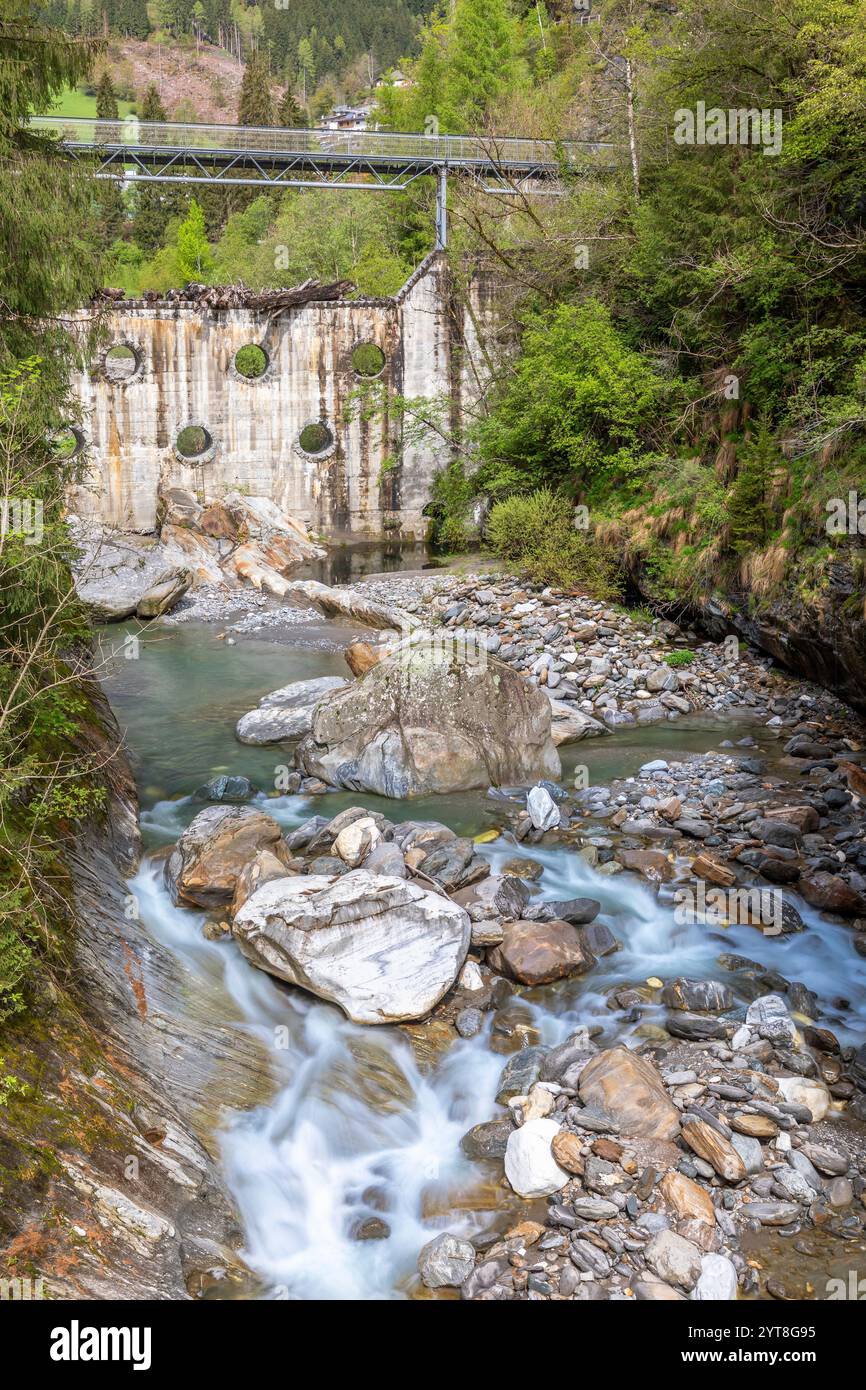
{"x": 368, "y": 359}
{"x": 681, "y": 657}
{"x": 194, "y": 257}
{"x": 192, "y": 441}
{"x": 749, "y": 508}
{"x": 251, "y": 361}
{"x": 106, "y": 99}
{"x": 256, "y": 107}
{"x": 537, "y": 533}
{"x": 315, "y": 438}
{"x": 578, "y": 404}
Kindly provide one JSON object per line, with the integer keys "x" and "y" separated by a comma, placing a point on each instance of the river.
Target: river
{"x": 359, "y": 1136}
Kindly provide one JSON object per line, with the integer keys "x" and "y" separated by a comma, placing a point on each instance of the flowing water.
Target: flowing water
{"x": 360, "y": 1137}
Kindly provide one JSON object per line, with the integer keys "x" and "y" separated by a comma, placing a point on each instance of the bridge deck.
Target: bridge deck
{"x": 240, "y": 146}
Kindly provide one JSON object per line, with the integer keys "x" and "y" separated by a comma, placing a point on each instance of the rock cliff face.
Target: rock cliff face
{"x": 108, "y": 1186}
{"x": 822, "y": 638}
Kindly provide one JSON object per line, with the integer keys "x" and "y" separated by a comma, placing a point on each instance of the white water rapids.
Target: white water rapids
{"x": 355, "y": 1130}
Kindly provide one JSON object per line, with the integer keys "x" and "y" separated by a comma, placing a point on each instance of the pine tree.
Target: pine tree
{"x": 194, "y": 255}
{"x": 106, "y": 99}
{"x": 289, "y": 114}
{"x": 482, "y": 58}
{"x": 152, "y": 108}
{"x": 256, "y": 106}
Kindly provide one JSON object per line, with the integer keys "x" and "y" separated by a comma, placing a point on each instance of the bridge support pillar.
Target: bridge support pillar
{"x": 441, "y": 208}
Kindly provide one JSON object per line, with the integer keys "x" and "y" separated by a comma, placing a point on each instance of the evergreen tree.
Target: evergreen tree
{"x": 289, "y": 114}
{"x": 106, "y": 99}
{"x": 194, "y": 256}
{"x": 49, "y": 266}
{"x": 481, "y": 59}
{"x": 256, "y": 106}
{"x": 152, "y": 108}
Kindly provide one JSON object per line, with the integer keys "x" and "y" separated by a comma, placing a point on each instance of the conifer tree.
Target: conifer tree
{"x": 106, "y": 99}
{"x": 152, "y": 108}
{"x": 256, "y": 106}
{"x": 289, "y": 114}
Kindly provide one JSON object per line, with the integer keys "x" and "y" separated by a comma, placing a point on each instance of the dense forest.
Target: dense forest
{"x": 302, "y": 39}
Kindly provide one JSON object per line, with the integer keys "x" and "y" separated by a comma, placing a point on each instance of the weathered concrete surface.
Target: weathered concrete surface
{"x": 185, "y": 375}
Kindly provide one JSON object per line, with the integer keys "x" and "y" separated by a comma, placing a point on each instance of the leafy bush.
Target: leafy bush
{"x": 367, "y": 359}
{"x": 681, "y": 657}
{"x": 536, "y": 531}
{"x": 315, "y": 438}
{"x": 251, "y": 361}
{"x": 192, "y": 441}
{"x": 579, "y": 405}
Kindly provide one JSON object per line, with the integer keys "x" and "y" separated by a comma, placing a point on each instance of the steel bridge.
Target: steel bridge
{"x": 169, "y": 152}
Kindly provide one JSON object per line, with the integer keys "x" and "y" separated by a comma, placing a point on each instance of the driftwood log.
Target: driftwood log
{"x": 238, "y": 296}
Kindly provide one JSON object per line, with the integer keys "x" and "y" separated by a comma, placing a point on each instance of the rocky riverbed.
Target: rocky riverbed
{"x": 603, "y": 1040}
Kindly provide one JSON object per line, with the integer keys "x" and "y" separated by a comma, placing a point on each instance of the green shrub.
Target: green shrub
{"x": 368, "y": 359}
{"x": 315, "y": 439}
{"x": 192, "y": 441}
{"x": 536, "y": 532}
{"x": 251, "y": 361}
{"x": 681, "y": 657}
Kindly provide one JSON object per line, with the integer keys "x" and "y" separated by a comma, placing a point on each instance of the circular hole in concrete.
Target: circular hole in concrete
{"x": 67, "y": 442}
{"x": 193, "y": 441}
{"x": 315, "y": 438}
{"x": 251, "y": 361}
{"x": 368, "y": 359}
{"x": 121, "y": 362}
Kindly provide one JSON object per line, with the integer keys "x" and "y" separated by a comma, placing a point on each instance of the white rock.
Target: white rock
{"x": 741, "y": 1038}
{"x": 718, "y": 1279}
{"x": 384, "y": 949}
{"x": 530, "y": 1166}
{"x": 471, "y": 977}
{"x": 287, "y": 712}
{"x": 797, "y": 1090}
{"x": 543, "y": 810}
{"x": 355, "y": 841}
{"x": 769, "y": 1016}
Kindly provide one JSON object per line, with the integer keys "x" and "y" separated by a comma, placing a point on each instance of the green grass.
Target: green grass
{"x": 76, "y": 104}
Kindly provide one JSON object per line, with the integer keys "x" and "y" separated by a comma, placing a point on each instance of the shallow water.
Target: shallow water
{"x": 360, "y": 1126}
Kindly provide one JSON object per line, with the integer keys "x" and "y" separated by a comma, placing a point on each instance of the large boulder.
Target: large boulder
{"x": 535, "y": 953}
{"x": 630, "y": 1089}
{"x": 426, "y": 719}
{"x": 287, "y": 712}
{"x": 207, "y": 860}
{"x": 383, "y": 949}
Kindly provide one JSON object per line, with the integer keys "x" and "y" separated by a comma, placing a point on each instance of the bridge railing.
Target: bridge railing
{"x": 348, "y": 144}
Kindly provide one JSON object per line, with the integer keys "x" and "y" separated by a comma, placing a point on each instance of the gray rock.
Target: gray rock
{"x": 287, "y": 712}
{"x": 674, "y": 1259}
{"x": 519, "y": 1074}
{"x": 425, "y": 719}
{"x": 446, "y": 1262}
{"x": 487, "y": 1140}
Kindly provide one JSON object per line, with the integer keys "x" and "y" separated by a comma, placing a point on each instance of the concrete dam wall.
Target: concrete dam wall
{"x": 182, "y": 414}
